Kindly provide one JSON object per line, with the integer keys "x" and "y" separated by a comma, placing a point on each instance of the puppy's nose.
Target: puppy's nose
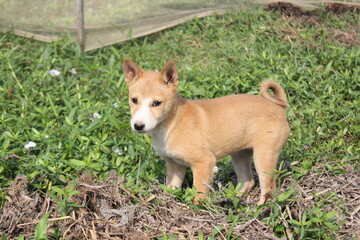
{"x": 139, "y": 126}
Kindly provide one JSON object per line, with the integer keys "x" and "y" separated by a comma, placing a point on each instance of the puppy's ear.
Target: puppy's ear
{"x": 170, "y": 74}
{"x": 131, "y": 70}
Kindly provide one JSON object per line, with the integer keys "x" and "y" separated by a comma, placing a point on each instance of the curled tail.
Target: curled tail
{"x": 279, "y": 94}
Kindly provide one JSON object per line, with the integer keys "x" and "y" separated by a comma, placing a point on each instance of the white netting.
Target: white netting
{"x": 108, "y": 21}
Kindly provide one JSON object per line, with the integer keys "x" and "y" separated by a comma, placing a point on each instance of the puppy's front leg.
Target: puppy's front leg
{"x": 202, "y": 174}
{"x": 175, "y": 173}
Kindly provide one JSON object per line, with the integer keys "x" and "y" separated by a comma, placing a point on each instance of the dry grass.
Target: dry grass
{"x": 112, "y": 212}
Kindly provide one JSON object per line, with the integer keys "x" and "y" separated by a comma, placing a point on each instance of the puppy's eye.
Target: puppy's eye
{"x": 134, "y": 100}
{"x": 156, "y": 103}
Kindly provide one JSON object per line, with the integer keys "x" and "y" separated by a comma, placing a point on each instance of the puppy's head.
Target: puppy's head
{"x": 150, "y": 94}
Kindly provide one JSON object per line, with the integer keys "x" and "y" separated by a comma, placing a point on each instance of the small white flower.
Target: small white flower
{"x": 46, "y": 136}
{"x": 96, "y": 115}
{"x": 117, "y": 150}
{"x": 30, "y": 145}
{"x": 54, "y": 72}
{"x": 215, "y": 169}
{"x": 73, "y": 71}
{"x": 116, "y": 105}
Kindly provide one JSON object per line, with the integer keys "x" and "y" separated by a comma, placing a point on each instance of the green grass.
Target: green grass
{"x": 216, "y": 56}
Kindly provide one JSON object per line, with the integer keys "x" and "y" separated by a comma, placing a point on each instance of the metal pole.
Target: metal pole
{"x": 80, "y": 24}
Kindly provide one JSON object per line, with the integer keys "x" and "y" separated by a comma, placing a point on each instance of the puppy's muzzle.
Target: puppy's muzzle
{"x": 139, "y": 126}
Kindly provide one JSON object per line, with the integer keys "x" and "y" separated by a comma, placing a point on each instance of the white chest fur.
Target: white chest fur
{"x": 160, "y": 138}
{"x": 159, "y": 144}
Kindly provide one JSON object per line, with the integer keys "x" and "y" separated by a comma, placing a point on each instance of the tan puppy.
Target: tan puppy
{"x": 196, "y": 133}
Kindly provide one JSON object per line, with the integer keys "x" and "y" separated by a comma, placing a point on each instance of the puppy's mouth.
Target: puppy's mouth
{"x": 139, "y": 131}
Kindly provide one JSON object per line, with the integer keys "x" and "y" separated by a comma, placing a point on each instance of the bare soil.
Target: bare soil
{"x": 290, "y": 9}
{"x": 297, "y": 18}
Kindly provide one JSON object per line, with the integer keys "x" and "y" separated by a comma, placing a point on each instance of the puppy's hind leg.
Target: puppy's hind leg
{"x": 265, "y": 160}
{"x": 242, "y": 166}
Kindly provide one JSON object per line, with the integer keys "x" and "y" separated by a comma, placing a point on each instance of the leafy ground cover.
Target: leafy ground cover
{"x": 71, "y": 168}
